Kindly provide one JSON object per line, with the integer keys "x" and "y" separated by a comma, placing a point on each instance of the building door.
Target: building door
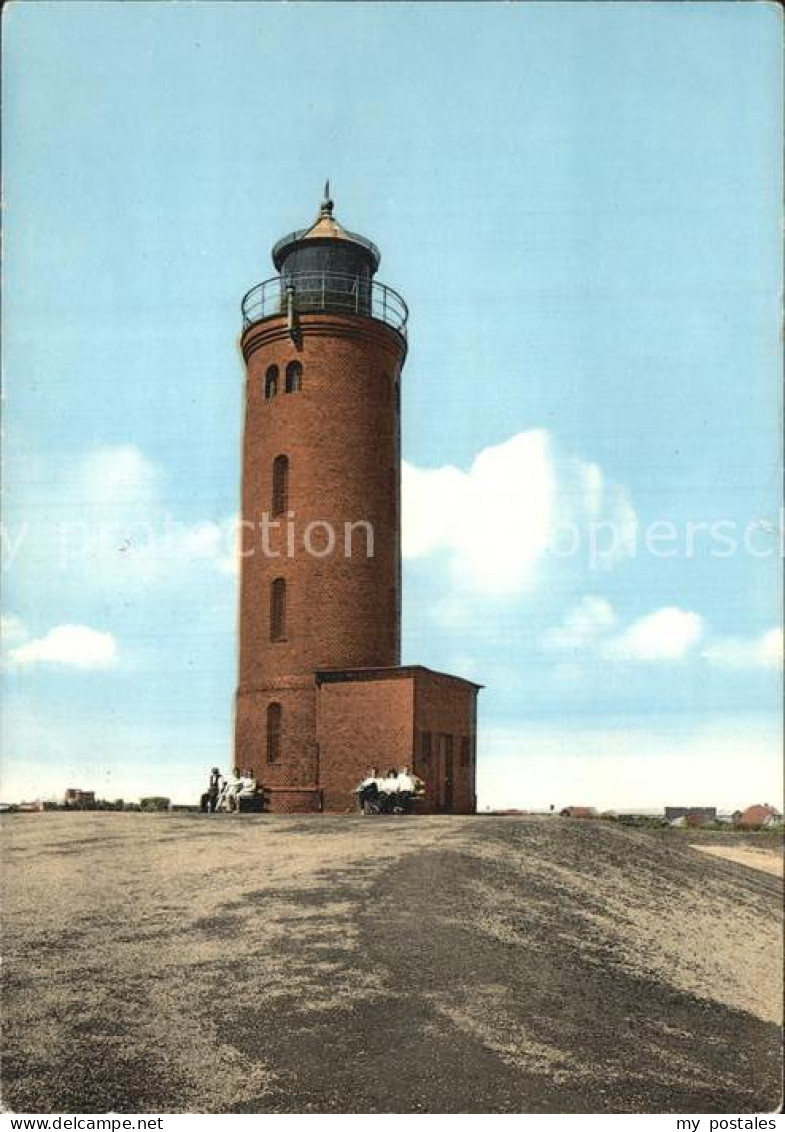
{"x": 448, "y": 781}
{"x": 446, "y": 773}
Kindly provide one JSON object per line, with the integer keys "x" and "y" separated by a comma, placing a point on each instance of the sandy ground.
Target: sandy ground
{"x": 190, "y": 963}
{"x": 767, "y": 860}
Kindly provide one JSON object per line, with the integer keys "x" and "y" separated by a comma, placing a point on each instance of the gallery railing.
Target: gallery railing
{"x": 320, "y": 292}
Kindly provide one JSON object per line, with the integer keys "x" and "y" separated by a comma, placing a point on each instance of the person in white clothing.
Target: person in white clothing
{"x": 389, "y": 784}
{"x": 231, "y": 784}
{"x": 246, "y": 788}
{"x": 368, "y": 790}
{"x": 247, "y": 784}
{"x": 409, "y": 786}
{"x": 405, "y": 781}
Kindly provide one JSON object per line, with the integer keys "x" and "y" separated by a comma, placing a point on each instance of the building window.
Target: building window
{"x": 294, "y": 377}
{"x": 280, "y": 485}
{"x": 273, "y": 732}
{"x": 271, "y": 382}
{"x": 425, "y": 747}
{"x": 466, "y": 751}
{"x": 278, "y": 610}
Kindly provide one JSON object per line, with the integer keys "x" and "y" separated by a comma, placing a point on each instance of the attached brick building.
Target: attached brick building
{"x": 321, "y": 693}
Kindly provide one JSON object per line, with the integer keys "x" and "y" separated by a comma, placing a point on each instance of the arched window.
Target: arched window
{"x": 273, "y": 732}
{"x": 294, "y": 377}
{"x": 271, "y": 382}
{"x": 280, "y": 484}
{"x": 278, "y": 610}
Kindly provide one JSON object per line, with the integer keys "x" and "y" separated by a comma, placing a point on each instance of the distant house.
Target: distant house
{"x": 696, "y": 820}
{"x": 154, "y": 804}
{"x": 691, "y": 815}
{"x": 79, "y": 798}
{"x": 755, "y": 817}
{"x": 578, "y": 812}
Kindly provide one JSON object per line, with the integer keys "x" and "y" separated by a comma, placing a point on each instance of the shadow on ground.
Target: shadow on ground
{"x": 432, "y": 965}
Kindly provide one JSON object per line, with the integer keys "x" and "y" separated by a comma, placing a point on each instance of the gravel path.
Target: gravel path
{"x": 189, "y": 963}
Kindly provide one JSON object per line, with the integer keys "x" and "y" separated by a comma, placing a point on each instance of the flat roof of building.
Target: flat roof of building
{"x": 348, "y": 675}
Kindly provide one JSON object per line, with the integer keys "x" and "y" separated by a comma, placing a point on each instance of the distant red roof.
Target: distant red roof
{"x": 697, "y": 819}
{"x": 579, "y": 812}
{"x": 758, "y": 815}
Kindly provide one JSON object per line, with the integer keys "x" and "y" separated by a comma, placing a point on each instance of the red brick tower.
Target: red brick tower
{"x": 324, "y": 344}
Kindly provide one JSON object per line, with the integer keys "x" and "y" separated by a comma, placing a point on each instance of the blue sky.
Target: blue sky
{"x": 581, "y": 205}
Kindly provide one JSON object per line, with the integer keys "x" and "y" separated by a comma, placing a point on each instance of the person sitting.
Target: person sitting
{"x": 409, "y": 786}
{"x": 209, "y": 799}
{"x": 405, "y": 781}
{"x": 389, "y": 785}
{"x": 389, "y": 790}
{"x": 247, "y": 784}
{"x": 227, "y": 796}
{"x": 247, "y": 789}
{"x": 368, "y": 790}
{"x": 234, "y": 793}
{"x": 410, "y": 783}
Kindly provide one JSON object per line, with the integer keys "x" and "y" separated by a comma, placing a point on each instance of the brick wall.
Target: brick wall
{"x": 342, "y": 438}
{"x": 341, "y": 435}
{"x": 362, "y": 723}
{"x": 445, "y": 709}
{"x": 292, "y": 779}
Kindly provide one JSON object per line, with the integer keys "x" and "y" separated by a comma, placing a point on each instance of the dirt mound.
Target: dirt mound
{"x": 176, "y": 963}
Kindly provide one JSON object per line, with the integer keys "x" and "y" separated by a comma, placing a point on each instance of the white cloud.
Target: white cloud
{"x": 116, "y": 477}
{"x": 740, "y": 652}
{"x": 498, "y": 521}
{"x": 589, "y": 620}
{"x": 132, "y": 535}
{"x": 668, "y": 634}
{"x": 74, "y": 645}
{"x": 107, "y": 517}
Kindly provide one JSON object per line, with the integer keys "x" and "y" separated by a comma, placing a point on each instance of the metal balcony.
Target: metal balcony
{"x": 322, "y": 293}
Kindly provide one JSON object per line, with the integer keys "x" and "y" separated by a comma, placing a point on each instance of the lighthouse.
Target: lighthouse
{"x": 322, "y": 694}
